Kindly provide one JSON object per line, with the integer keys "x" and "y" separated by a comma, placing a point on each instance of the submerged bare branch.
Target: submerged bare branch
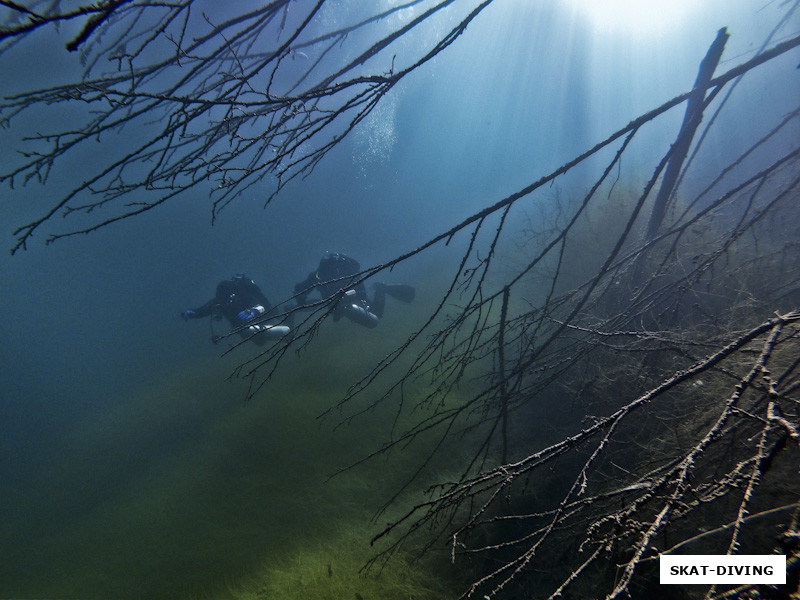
{"x": 626, "y": 376}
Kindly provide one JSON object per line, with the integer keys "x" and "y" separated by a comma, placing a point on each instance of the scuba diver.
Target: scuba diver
{"x": 335, "y": 279}
{"x": 241, "y": 301}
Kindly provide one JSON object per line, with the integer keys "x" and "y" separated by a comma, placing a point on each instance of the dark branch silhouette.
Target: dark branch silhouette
{"x": 260, "y": 97}
{"x": 610, "y": 403}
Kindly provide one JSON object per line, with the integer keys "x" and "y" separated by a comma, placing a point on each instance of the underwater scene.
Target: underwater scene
{"x": 399, "y": 299}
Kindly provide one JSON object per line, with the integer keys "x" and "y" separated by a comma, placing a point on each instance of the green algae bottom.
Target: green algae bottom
{"x": 182, "y": 489}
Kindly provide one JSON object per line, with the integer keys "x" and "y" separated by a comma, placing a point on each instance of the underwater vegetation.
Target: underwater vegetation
{"x": 334, "y": 569}
{"x": 182, "y": 489}
{"x": 601, "y": 364}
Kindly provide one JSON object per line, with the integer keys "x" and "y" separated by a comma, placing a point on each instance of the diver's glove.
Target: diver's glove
{"x": 188, "y": 314}
{"x": 246, "y": 314}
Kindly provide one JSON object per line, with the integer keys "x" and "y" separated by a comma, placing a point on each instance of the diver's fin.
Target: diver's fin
{"x": 402, "y": 292}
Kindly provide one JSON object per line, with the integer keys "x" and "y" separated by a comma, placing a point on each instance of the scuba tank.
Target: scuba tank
{"x": 355, "y": 312}
{"x": 264, "y": 331}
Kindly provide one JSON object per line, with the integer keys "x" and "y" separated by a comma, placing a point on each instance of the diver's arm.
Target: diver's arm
{"x": 302, "y": 290}
{"x": 204, "y": 311}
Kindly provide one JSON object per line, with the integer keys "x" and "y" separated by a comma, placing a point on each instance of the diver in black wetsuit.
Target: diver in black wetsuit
{"x": 240, "y": 301}
{"x": 335, "y": 279}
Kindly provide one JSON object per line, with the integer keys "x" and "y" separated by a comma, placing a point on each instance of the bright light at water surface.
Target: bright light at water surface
{"x": 637, "y": 17}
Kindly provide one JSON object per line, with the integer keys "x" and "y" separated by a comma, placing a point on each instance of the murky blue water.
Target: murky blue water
{"x": 130, "y": 467}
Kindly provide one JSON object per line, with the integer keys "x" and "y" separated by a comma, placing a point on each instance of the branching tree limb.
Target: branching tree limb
{"x": 610, "y": 403}
{"x": 250, "y": 99}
